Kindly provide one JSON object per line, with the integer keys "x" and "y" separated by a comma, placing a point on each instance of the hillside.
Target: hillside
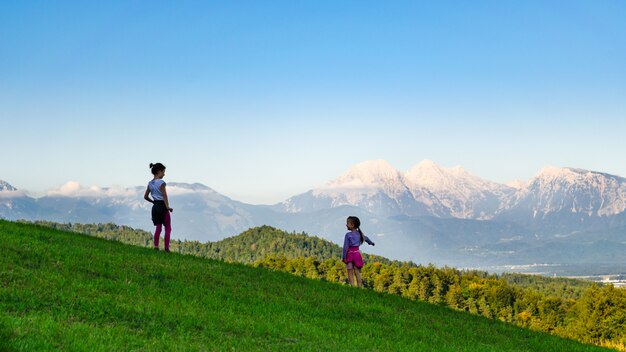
{"x": 259, "y": 244}
{"x": 248, "y": 247}
{"x": 66, "y": 291}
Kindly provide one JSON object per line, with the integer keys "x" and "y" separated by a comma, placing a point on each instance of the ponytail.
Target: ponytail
{"x": 155, "y": 168}
{"x": 361, "y": 233}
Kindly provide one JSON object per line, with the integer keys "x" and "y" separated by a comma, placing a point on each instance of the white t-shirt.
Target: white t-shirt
{"x": 155, "y": 188}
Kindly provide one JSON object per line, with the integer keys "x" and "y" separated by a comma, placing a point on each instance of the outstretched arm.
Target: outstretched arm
{"x": 367, "y": 239}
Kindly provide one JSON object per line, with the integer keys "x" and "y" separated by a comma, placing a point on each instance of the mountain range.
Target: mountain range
{"x": 427, "y": 214}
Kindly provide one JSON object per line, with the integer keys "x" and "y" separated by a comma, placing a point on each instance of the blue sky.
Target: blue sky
{"x": 265, "y": 99}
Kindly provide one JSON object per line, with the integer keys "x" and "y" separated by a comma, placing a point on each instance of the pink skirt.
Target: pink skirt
{"x": 354, "y": 256}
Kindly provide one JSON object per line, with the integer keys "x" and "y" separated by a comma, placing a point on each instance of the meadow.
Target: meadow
{"x": 67, "y": 291}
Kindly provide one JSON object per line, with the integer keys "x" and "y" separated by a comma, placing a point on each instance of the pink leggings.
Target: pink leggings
{"x": 168, "y": 229}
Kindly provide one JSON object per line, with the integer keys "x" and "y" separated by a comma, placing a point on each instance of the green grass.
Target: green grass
{"x": 64, "y": 291}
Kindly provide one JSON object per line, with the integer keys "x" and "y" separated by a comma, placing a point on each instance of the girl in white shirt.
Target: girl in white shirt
{"x": 161, "y": 206}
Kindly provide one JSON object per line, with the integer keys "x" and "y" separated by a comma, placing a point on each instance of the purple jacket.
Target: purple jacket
{"x": 353, "y": 239}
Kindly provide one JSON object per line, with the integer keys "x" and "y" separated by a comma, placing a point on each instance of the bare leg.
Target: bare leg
{"x": 351, "y": 277}
{"x": 357, "y": 273}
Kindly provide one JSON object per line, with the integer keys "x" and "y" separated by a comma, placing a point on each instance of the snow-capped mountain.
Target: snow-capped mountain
{"x": 375, "y": 186}
{"x": 431, "y": 190}
{"x": 5, "y": 186}
{"x": 567, "y": 195}
{"x": 427, "y": 189}
{"x": 14, "y": 203}
{"x": 465, "y": 195}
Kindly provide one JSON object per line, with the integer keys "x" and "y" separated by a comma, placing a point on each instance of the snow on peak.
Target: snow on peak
{"x": 372, "y": 168}
{"x": 427, "y": 164}
{"x": 570, "y": 175}
{"x": 554, "y": 172}
{"x": 436, "y": 178}
{"x": 8, "y": 191}
{"x": 466, "y": 195}
{"x": 5, "y": 186}
{"x": 427, "y": 174}
{"x": 428, "y": 169}
{"x": 374, "y": 173}
{"x": 517, "y": 184}
{"x": 452, "y": 191}
{"x": 458, "y": 170}
{"x": 575, "y": 190}
{"x": 365, "y": 179}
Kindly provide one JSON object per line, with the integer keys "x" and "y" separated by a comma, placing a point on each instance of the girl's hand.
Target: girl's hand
{"x": 170, "y": 209}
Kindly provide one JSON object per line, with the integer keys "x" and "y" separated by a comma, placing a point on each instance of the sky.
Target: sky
{"x": 262, "y": 100}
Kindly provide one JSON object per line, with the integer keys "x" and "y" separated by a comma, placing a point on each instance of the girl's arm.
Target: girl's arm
{"x": 345, "y": 247}
{"x": 367, "y": 239}
{"x": 167, "y": 203}
{"x": 146, "y": 195}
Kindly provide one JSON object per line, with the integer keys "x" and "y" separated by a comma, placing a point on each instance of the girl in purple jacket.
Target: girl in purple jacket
{"x": 351, "y": 254}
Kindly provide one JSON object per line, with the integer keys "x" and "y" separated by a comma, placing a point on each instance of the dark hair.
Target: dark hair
{"x": 156, "y": 168}
{"x": 357, "y": 223}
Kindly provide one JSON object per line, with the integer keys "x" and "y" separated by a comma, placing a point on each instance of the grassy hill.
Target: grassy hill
{"x": 257, "y": 244}
{"x": 248, "y": 247}
{"x": 64, "y": 291}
